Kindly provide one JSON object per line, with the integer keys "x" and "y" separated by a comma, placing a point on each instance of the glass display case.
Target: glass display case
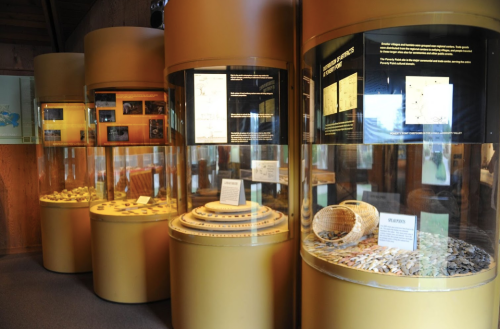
{"x": 62, "y": 167}
{"x": 128, "y": 156}
{"x": 235, "y": 133}
{"x": 403, "y": 124}
{"x": 62, "y": 161}
{"x": 128, "y": 152}
{"x": 129, "y": 176}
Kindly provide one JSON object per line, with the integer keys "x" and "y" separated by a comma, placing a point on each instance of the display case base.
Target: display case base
{"x": 131, "y": 260}
{"x": 229, "y": 286}
{"x": 329, "y": 302}
{"x": 66, "y": 239}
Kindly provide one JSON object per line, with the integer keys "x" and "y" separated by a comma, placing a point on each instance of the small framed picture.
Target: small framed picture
{"x": 53, "y": 114}
{"x": 52, "y": 135}
{"x": 154, "y": 107}
{"x": 107, "y": 116}
{"x": 156, "y": 129}
{"x": 132, "y": 107}
{"x": 105, "y": 100}
{"x": 118, "y": 134}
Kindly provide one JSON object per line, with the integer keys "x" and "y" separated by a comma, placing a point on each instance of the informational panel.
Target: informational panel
{"x": 308, "y": 107}
{"x": 413, "y": 81}
{"x": 17, "y": 124}
{"x": 63, "y": 124}
{"x": 237, "y": 106}
{"x": 210, "y": 108}
{"x": 341, "y": 90}
{"x": 127, "y": 118}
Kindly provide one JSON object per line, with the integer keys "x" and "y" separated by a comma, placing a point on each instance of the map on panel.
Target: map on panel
{"x": 8, "y": 118}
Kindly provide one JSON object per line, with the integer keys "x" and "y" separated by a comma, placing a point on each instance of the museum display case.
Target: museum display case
{"x": 405, "y": 116}
{"x": 236, "y": 132}
{"x": 129, "y": 164}
{"x": 231, "y": 103}
{"x": 62, "y": 169}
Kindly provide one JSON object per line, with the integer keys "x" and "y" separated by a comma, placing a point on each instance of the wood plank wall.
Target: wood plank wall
{"x": 109, "y": 13}
{"x": 18, "y": 59}
{"x": 19, "y": 208}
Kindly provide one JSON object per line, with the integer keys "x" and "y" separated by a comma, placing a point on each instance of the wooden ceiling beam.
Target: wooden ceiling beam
{"x": 23, "y": 37}
{"x": 23, "y": 17}
{"x": 52, "y": 27}
{"x": 57, "y": 25}
{"x": 22, "y": 23}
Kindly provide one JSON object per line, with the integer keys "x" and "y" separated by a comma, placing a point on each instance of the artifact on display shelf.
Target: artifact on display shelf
{"x": 434, "y": 255}
{"x": 222, "y": 220}
{"x": 129, "y": 207}
{"x": 79, "y": 194}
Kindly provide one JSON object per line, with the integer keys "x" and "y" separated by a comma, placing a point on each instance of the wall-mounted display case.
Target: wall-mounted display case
{"x": 406, "y": 119}
{"x": 62, "y": 166}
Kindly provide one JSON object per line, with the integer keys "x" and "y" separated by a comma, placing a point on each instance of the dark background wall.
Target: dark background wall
{"x": 19, "y": 207}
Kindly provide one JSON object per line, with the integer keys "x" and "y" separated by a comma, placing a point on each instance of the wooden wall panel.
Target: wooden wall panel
{"x": 18, "y": 59}
{"x": 19, "y": 207}
{"x": 109, "y": 13}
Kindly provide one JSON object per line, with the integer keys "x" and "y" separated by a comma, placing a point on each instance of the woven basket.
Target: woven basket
{"x": 339, "y": 219}
{"x": 369, "y": 214}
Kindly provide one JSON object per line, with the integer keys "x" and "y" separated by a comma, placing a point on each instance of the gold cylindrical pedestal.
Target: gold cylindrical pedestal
{"x": 328, "y": 302}
{"x": 66, "y": 238}
{"x": 227, "y": 287}
{"x": 130, "y": 260}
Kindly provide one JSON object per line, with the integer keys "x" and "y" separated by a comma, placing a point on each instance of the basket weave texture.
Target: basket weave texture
{"x": 369, "y": 214}
{"x": 339, "y": 219}
{"x": 355, "y": 217}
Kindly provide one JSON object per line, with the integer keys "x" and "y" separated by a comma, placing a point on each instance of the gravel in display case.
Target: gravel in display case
{"x": 406, "y": 131}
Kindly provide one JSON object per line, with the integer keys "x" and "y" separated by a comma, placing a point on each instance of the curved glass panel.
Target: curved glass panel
{"x": 400, "y": 157}
{"x": 62, "y": 165}
{"x": 233, "y": 121}
{"x": 129, "y": 153}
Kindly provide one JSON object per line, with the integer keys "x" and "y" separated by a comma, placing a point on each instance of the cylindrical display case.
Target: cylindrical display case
{"x": 129, "y": 157}
{"x": 62, "y": 170}
{"x": 232, "y": 252}
{"x": 400, "y": 155}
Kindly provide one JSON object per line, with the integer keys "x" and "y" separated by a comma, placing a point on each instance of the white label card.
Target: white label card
{"x": 232, "y": 192}
{"x": 99, "y": 188}
{"x": 397, "y": 231}
{"x": 265, "y": 171}
{"x": 143, "y": 200}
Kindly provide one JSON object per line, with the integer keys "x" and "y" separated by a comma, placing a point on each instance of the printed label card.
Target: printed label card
{"x": 232, "y": 192}
{"x": 397, "y": 231}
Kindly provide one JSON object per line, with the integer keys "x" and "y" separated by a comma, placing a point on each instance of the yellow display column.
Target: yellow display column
{"x": 129, "y": 219}
{"x": 328, "y": 301}
{"x": 66, "y": 237}
{"x": 225, "y": 283}
{"x": 131, "y": 253}
{"x": 234, "y": 101}
{"x": 63, "y": 187}
{"x": 433, "y": 260}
